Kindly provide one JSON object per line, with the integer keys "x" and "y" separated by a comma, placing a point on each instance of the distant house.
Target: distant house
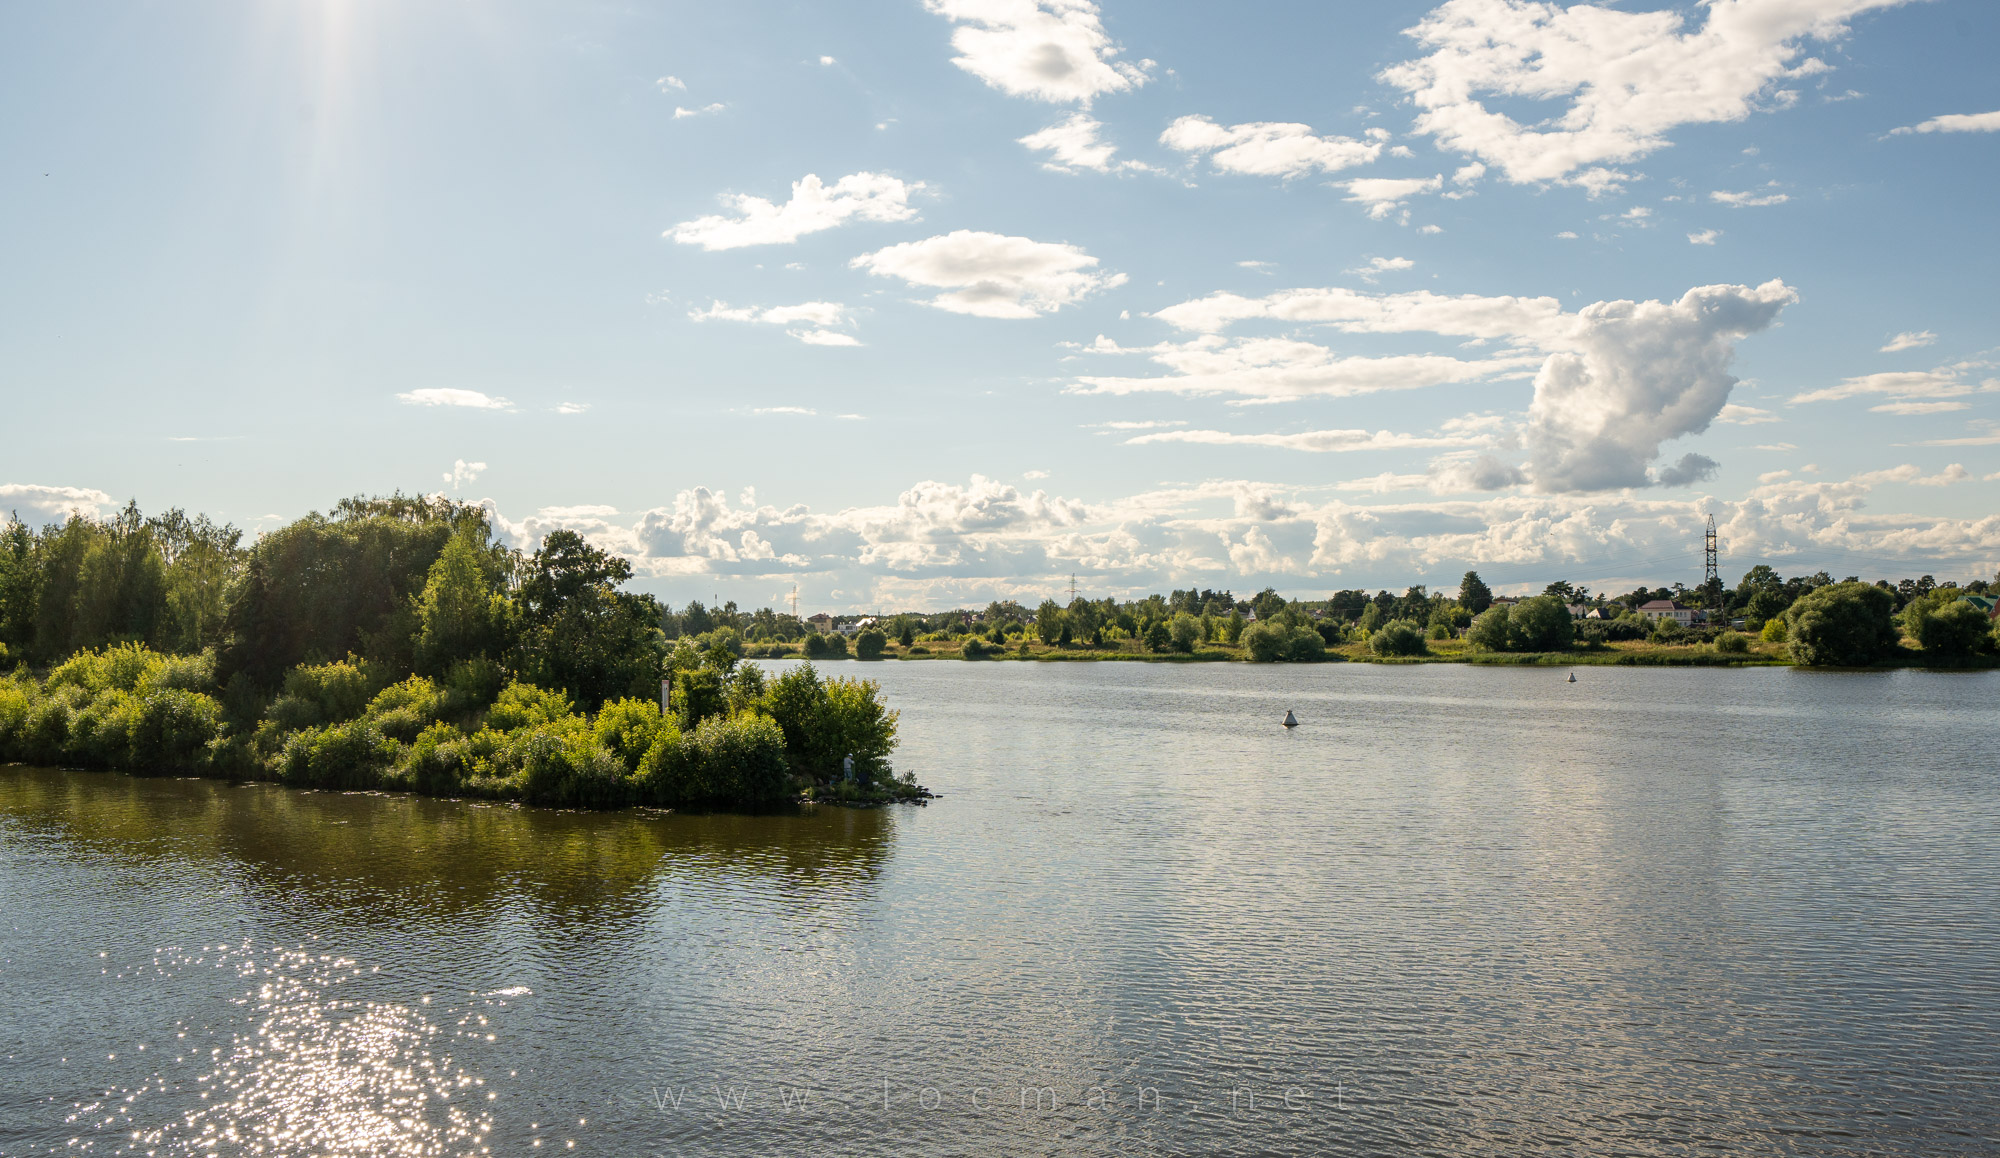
{"x": 821, "y": 623}
{"x": 1986, "y": 603}
{"x": 1668, "y": 609}
{"x": 1580, "y": 610}
{"x": 1504, "y": 600}
{"x": 858, "y": 626}
{"x": 1601, "y": 613}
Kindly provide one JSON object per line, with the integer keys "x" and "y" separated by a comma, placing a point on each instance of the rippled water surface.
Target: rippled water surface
{"x": 1459, "y": 911}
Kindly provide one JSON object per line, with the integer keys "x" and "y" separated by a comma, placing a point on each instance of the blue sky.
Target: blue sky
{"x": 923, "y": 302}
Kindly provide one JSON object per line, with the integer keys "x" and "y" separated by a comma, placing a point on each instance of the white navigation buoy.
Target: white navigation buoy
{"x": 1291, "y": 721}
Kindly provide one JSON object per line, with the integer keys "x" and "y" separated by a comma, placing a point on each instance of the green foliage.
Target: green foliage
{"x": 171, "y": 731}
{"x": 1185, "y": 632}
{"x": 1957, "y": 630}
{"x": 1274, "y": 643}
{"x": 869, "y": 644}
{"x": 740, "y": 761}
{"x": 1473, "y": 593}
{"x": 1371, "y": 620}
{"x": 1489, "y": 631}
{"x": 403, "y": 710}
{"x": 815, "y": 646}
{"x": 1232, "y": 628}
{"x": 329, "y": 586}
{"x": 1842, "y": 625}
{"x": 324, "y": 693}
{"x": 1774, "y": 630}
{"x": 568, "y": 768}
{"x": 1733, "y": 643}
{"x": 698, "y": 695}
{"x": 523, "y": 705}
{"x": 823, "y": 721}
{"x": 441, "y": 760}
{"x": 459, "y": 616}
{"x": 1542, "y": 623}
{"x": 579, "y": 632}
{"x": 1667, "y": 629}
{"x": 1398, "y": 639}
{"x": 1158, "y": 638}
{"x": 346, "y": 756}
{"x": 1049, "y": 622}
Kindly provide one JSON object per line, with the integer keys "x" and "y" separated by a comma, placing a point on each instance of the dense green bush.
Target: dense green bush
{"x": 566, "y": 767}
{"x": 869, "y": 644}
{"x": 326, "y": 693}
{"x": 1268, "y": 642}
{"x": 697, "y": 696}
{"x": 1843, "y": 625}
{"x": 1733, "y": 643}
{"x": 172, "y": 731}
{"x": 345, "y": 756}
{"x": 628, "y": 728}
{"x": 523, "y": 705}
{"x": 1399, "y": 638}
{"x": 1955, "y": 631}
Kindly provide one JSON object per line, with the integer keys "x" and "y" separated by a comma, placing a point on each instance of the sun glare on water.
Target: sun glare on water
{"x": 305, "y": 1070}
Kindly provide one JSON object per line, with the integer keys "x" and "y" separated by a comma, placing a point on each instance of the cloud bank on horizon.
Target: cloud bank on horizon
{"x": 1504, "y": 284}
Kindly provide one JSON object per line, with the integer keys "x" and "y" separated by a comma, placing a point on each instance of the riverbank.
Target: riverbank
{"x": 1638, "y": 653}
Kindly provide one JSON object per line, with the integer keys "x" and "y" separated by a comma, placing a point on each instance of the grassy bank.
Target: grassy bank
{"x": 1618, "y": 654}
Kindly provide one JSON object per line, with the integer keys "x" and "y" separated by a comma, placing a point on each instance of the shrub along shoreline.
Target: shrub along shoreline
{"x": 732, "y": 737}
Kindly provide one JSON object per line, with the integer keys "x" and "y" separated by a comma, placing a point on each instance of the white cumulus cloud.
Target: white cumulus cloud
{"x": 463, "y": 472}
{"x": 1943, "y": 382}
{"x": 51, "y": 502}
{"x": 819, "y": 318}
{"x": 1270, "y": 148}
{"x": 1620, "y": 81}
{"x": 1909, "y": 340}
{"x": 1955, "y": 123}
{"x": 1750, "y": 199}
{"x": 1704, "y": 237}
{"x": 1048, "y": 50}
{"x": 814, "y": 206}
{"x": 1385, "y": 195}
{"x": 1636, "y": 375}
{"x": 1073, "y": 144}
{"x": 992, "y": 275}
{"x": 451, "y": 396}
{"x": 1613, "y": 381}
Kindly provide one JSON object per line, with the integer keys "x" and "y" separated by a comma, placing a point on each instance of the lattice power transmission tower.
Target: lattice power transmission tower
{"x": 1711, "y": 574}
{"x": 1072, "y": 587}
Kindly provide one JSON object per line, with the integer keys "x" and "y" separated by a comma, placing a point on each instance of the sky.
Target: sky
{"x": 921, "y": 303}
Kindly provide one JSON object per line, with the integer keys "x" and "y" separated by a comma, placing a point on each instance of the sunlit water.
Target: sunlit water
{"x": 1459, "y": 911}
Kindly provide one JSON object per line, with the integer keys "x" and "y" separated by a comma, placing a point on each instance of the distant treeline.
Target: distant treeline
{"x": 393, "y": 643}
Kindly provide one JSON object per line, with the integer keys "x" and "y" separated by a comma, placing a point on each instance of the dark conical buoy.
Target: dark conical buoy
{"x": 1291, "y": 721}
{"x": 1572, "y": 677}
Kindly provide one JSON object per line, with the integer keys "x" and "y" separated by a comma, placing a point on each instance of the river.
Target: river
{"x": 1460, "y": 910}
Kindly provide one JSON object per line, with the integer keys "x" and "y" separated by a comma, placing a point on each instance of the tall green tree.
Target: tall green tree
{"x": 1473, "y": 593}
{"x": 578, "y": 631}
{"x": 1843, "y": 625}
{"x": 1049, "y": 621}
{"x": 327, "y": 585}
{"x": 459, "y": 616}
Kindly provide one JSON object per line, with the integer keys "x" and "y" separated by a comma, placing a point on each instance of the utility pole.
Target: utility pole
{"x": 1072, "y": 587}
{"x": 795, "y": 601}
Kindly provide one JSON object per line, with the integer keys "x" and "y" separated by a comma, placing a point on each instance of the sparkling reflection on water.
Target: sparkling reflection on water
{"x": 1460, "y": 911}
